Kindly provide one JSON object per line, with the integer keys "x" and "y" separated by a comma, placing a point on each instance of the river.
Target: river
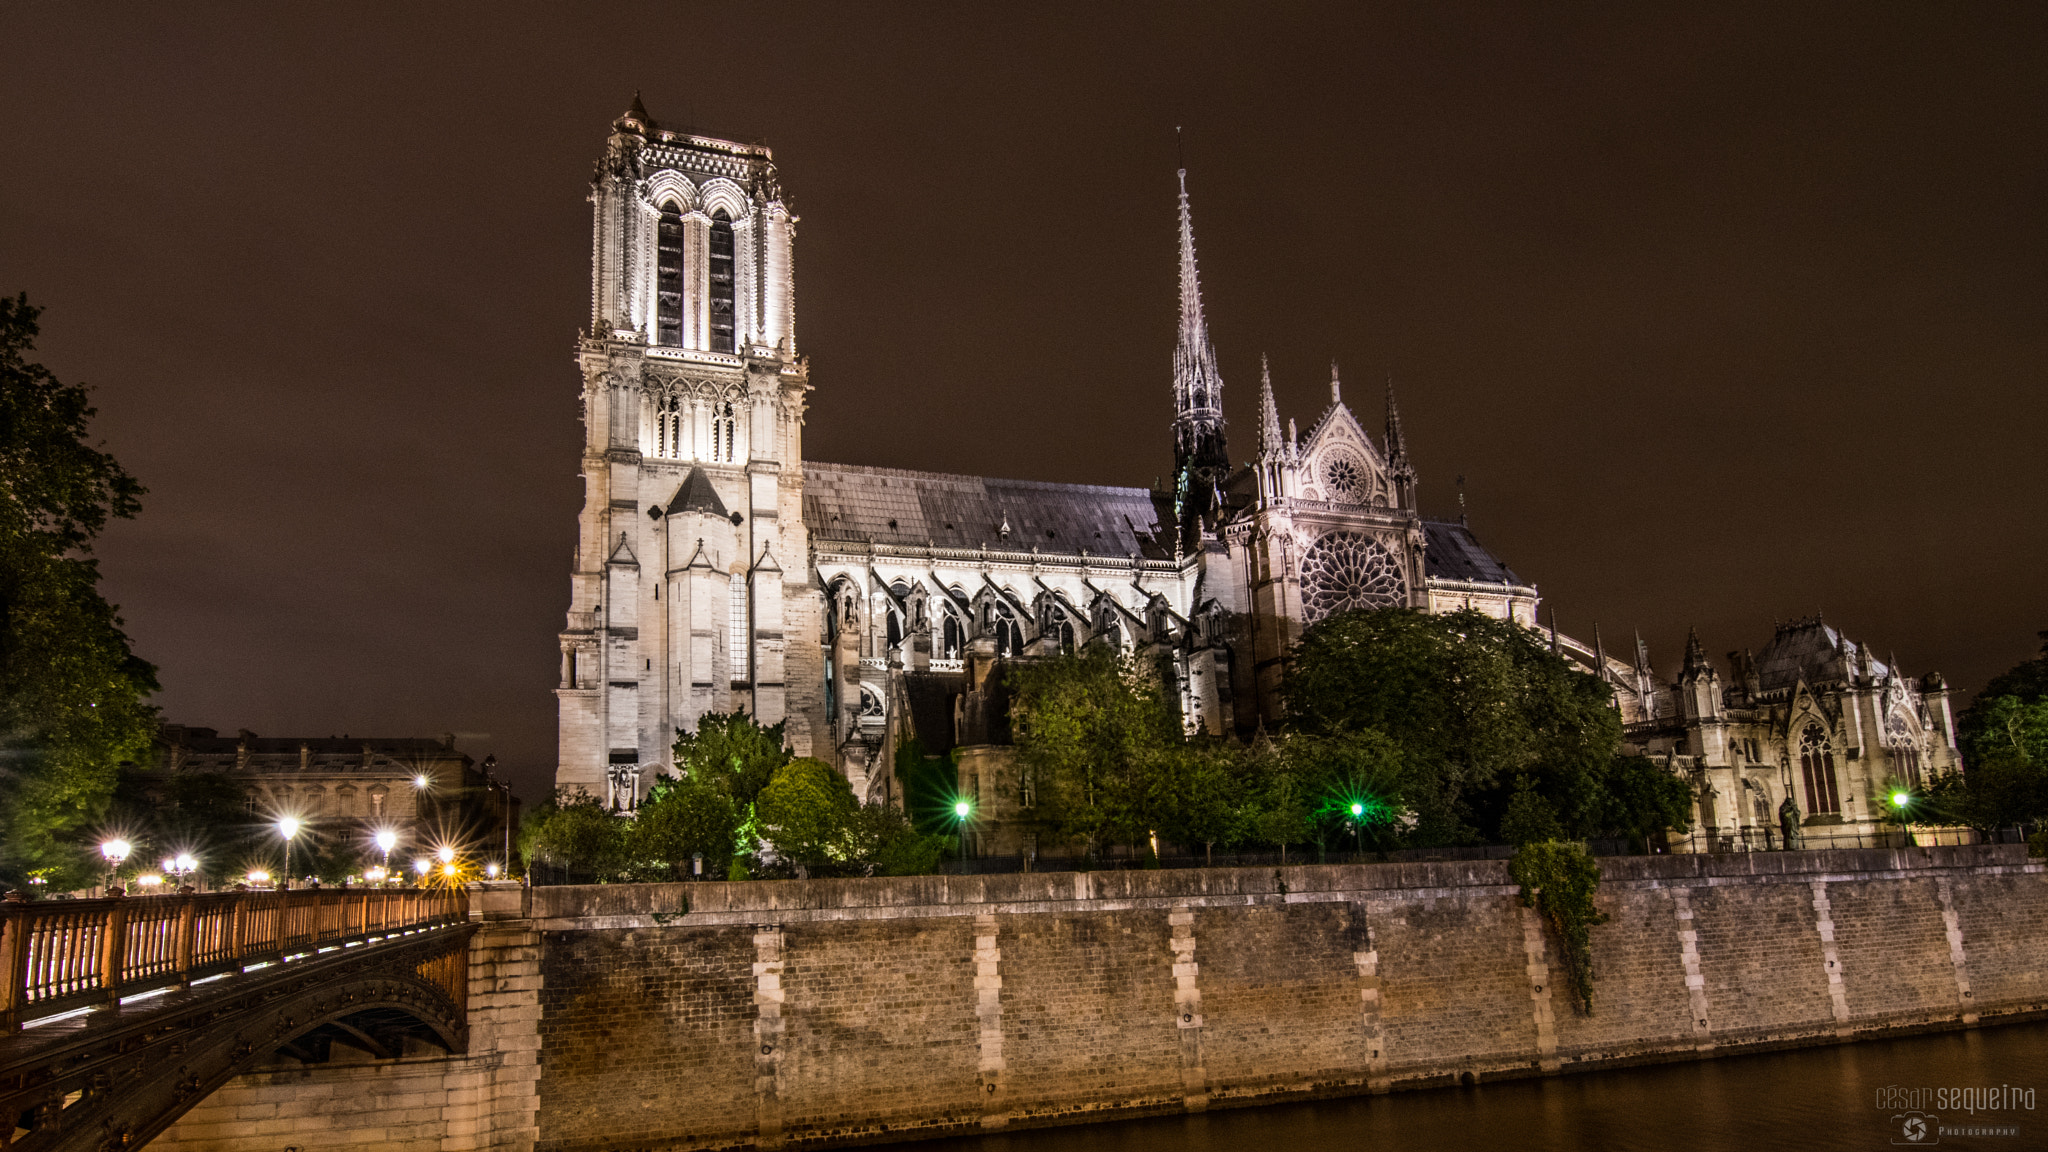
{"x": 1806, "y": 1099}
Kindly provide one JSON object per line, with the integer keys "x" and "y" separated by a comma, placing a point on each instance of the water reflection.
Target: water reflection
{"x": 1814, "y": 1098}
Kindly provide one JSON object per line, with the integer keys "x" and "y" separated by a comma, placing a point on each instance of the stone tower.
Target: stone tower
{"x": 692, "y": 554}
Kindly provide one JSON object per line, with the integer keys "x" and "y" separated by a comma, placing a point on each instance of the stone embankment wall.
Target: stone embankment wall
{"x": 715, "y": 1015}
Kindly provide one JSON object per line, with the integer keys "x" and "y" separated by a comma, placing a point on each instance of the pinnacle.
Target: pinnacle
{"x": 638, "y": 112}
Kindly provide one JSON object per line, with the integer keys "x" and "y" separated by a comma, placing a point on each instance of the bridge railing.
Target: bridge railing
{"x": 59, "y": 955}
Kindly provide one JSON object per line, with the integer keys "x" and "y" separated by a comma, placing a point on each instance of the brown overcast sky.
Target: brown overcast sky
{"x": 1725, "y": 317}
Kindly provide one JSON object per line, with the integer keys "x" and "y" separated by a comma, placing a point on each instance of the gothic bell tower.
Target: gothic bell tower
{"x": 1201, "y": 461}
{"x": 692, "y": 550}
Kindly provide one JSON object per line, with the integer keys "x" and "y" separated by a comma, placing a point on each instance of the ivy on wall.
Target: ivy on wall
{"x": 1558, "y": 879}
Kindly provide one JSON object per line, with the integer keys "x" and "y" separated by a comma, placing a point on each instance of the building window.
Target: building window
{"x": 738, "y": 588}
{"x": 1817, "y": 762}
{"x": 668, "y": 289}
{"x": 1009, "y": 633}
{"x": 895, "y": 628}
{"x": 724, "y": 430}
{"x": 720, "y": 267}
{"x": 952, "y": 636}
{"x": 668, "y": 427}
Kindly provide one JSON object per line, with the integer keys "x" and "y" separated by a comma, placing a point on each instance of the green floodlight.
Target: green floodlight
{"x": 1901, "y": 799}
{"x": 962, "y": 808}
{"x": 1357, "y": 810}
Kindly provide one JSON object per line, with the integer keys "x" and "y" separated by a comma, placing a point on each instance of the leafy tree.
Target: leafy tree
{"x": 805, "y": 811}
{"x": 200, "y": 813}
{"x": 576, "y": 833}
{"x": 1644, "y": 800}
{"x": 736, "y": 748}
{"x": 1473, "y": 703}
{"x": 881, "y": 840}
{"x": 71, "y": 690}
{"x": 1984, "y": 725}
{"x": 2004, "y": 739}
{"x": 683, "y": 817}
{"x": 1530, "y": 819}
{"x": 1102, "y": 742}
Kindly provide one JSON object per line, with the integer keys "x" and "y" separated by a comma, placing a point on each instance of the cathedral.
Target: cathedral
{"x": 719, "y": 569}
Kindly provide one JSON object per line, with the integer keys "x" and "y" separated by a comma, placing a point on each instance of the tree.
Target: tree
{"x": 574, "y": 832}
{"x": 1644, "y": 800}
{"x": 1473, "y": 703}
{"x": 2004, "y": 739}
{"x": 684, "y": 817}
{"x": 71, "y": 690}
{"x": 1101, "y": 740}
{"x": 734, "y": 748}
{"x": 805, "y": 812}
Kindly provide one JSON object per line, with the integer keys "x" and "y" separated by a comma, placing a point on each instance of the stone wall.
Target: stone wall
{"x": 713, "y": 1015}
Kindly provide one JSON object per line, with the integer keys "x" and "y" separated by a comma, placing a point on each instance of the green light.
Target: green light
{"x": 1357, "y": 809}
{"x": 961, "y": 809}
{"x": 1900, "y": 799}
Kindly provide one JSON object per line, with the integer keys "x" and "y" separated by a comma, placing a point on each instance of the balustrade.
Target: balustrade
{"x": 60, "y": 955}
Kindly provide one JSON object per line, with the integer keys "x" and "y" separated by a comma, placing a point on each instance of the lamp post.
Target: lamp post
{"x": 180, "y": 866}
{"x": 961, "y": 811}
{"x": 386, "y": 841}
{"x": 1902, "y": 805}
{"x": 115, "y": 851}
{"x": 421, "y": 867}
{"x": 287, "y": 828}
{"x": 1357, "y": 828}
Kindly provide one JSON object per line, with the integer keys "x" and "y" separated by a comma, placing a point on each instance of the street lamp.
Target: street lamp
{"x": 422, "y": 866}
{"x": 961, "y": 811}
{"x": 1358, "y": 828}
{"x": 180, "y": 866}
{"x": 115, "y": 851}
{"x": 287, "y": 828}
{"x": 386, "y": 841}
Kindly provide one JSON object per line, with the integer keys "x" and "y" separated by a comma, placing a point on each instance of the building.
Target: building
{"x": 719, "y": 569}
{"x": 1814, "y": 720}
{"x": 424, "y": 790}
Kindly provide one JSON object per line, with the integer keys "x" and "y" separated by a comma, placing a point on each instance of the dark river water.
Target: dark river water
{"x": 1813, "y": 1098}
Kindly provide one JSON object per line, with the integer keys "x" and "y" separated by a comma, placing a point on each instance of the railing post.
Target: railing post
{"x": 113, "y": 945}
{"x": 237, "y": 927}
{"x": 14, "y": 933}
{"x": 188, "y": 933}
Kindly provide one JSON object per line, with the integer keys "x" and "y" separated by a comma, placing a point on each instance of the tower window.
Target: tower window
{"x": 739, "y": 626}
{"x": 668, "y": 428}
{"x": 719, "y": 265}
{"x": 723, "y": 434}
{"x": 1817, "y": 763}
{"x": 668, "y": 288}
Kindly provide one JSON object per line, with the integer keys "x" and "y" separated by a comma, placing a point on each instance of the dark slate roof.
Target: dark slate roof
{"x": 696, "y": 495}
{"x": 1810, "y": 650}
{"x": 1453, "y": 553}
{"x": 856, "y": 504}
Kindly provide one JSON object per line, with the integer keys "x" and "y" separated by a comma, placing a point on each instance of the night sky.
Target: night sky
{"x": 1725, "y": 318}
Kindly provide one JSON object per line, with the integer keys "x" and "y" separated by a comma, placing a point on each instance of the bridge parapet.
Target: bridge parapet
{"x": 61, "y": 955}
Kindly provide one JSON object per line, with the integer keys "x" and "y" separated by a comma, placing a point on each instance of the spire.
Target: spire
{"x": 1336, "y": 386}
{"x": 1642, "y": 656}
{"x": 1201, "y": 460}
{"x": 1695, "y": 652}
{"x": 1270, "y": 442}
{"x": 637, "y": 114}
{"x": 1397, "y": 448}
{"x": 1197, "y": 386}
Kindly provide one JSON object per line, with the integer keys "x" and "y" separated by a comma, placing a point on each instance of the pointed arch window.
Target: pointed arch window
{"x": 668, "y": 427}
{"x": 1009, "y": 632}
{"x": 724, "y": 431}
{"x": 952, "y": 637}
{"x": 1817, "y": 764}
{"x": 719, "y": 266}
{"x": 738, "y": 592}
{"x": 668, "y": 272}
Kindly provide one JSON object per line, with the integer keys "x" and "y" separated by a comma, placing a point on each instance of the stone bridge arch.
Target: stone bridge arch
{"x": 114, "y": 1080}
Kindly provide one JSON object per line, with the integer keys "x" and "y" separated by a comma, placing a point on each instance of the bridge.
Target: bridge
{"x": 118, "y": 1015}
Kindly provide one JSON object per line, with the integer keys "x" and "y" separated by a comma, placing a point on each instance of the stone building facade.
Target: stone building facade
{"x": 423, "y": 789}
{"x": 719, "y": 569}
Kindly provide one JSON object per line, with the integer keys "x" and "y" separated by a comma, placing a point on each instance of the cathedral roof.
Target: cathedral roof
{"x": 1810, "y": 650}
{"x": 856, "y": 504}
{"x": 1453, "y": 553}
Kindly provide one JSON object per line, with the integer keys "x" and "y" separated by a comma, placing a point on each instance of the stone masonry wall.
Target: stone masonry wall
{"x": 825, "y": 1012}
{"x": 828, "y": 1012}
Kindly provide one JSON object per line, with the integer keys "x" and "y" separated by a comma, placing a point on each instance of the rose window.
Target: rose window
{"x": 1343, "y": 571}
{"x": 1346, "y": 478}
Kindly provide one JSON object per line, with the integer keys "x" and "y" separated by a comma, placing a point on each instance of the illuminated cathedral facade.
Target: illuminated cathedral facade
{"x": 719, "y": 569}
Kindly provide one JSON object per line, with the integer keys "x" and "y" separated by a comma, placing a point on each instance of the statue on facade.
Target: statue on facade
{"x": 1788, "y": 823}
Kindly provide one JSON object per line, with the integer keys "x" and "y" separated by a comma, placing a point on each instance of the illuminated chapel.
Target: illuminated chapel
{"x": 719, "y": 569}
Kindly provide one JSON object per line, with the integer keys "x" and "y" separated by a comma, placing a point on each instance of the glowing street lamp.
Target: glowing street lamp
{"x": 961, "y": 811}
{"x": 375, "y": 875}
{"x": 149, "y": 880}
{"x": 491, "y": 870}
{"x": 422, "y": 866}
{"x": 258, "y": 877}
{"x": 386, "y": 840}
{"x": 445, "y": 854}
{"x": 1901, "y": 799}
{"x": 115, "y": 851}
{"x": 288, "y": 828}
